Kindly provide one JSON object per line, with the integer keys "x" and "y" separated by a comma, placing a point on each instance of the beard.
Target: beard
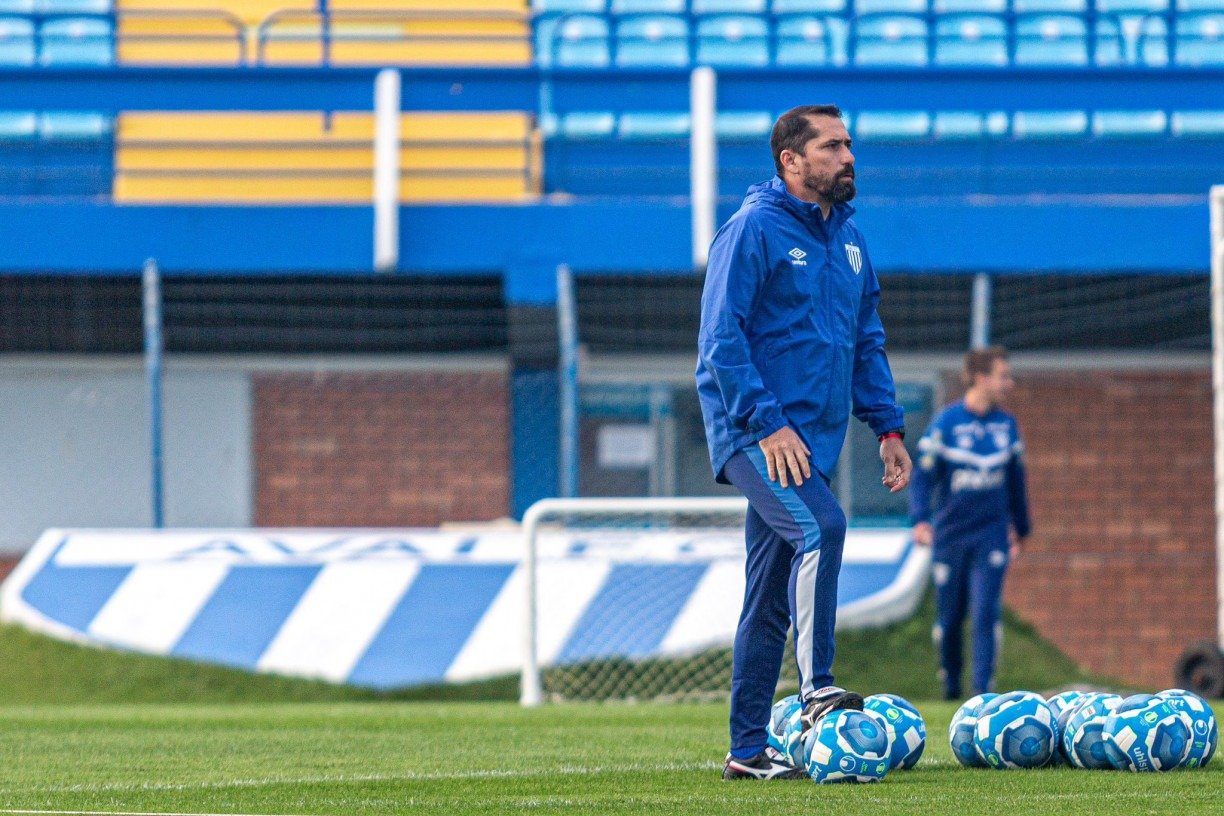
{"x": 837, "y": 190}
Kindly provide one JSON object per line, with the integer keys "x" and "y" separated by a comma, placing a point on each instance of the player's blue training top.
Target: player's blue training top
{"x": 789, "y": 330}
{"x": 969, "y": 478}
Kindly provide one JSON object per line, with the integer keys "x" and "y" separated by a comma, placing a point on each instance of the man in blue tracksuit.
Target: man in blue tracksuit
{"x": 790, "y": 341}
{"x": 968, "y": 500}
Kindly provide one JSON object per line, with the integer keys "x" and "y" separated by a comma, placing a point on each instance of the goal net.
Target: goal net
{"x": 639, "y": 598}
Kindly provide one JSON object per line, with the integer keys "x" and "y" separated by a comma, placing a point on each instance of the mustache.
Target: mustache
{"x": 848, "y": 173}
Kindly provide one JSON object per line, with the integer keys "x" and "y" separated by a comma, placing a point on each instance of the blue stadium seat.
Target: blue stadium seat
{"x": 1200, "y": 39}
{"x": 16, "y": 41}
{"x": 892, "y": 125}
{"x": 653, "y": 126}
{"x": 864, "y": 7}
{"x": 743, "y": 126}
{"x": 76, "y": 41}
{"x": 954, "y": 125}
{"x": 1051, "y": 39}
{"x": 1132, "y": 6}
{"x": 588, "y": 125}
{"x": 969, "y": 6}
{"x": 733, "y": 40}
{"x": 727, "y": 6}
{"x": 1129, "y": 124}
{"x": 891, "y": 40}
{"x": 1049, "y": 124}
{"x": 1050, "y": 6}
{"x": 970, "y": 39}
{"x": 569, "y": 6}
{"x": 74, "y": 6}
{"x": 17, "y": 7}
{"x": 578, "y": 41}
{"x": 1200, "y": 5}
{"x": 74, "y": 125}
{"x": 812, "y": 41}
{"x": 780, "y": 7}
{"x": 18, "y": 126}
{"x": 652, "y": 41}
{"x": 1197, "y": 124}
{"x": 1132, "y": 40}
{"x": 647, "y": 6}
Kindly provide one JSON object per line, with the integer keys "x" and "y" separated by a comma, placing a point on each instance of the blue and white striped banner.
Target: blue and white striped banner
{"x": 389, "y": 608}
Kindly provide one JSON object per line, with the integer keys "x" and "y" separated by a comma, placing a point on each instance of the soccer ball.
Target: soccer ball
{"x": 1062, "y": 706}
{"x": 1061, "y": 702}
{"x": 1203, "y": 723}
{"x": 1083, "y": 738}
{"x": 847, "y": 746}
{"x": 782, "y": 710}
{"x": 1015, "y": 730}
{"x": 961, "y": 731}
{"x": 907, "y": 725}
{"x": 792, "y": 738}
{"x": 1145, "y": 733}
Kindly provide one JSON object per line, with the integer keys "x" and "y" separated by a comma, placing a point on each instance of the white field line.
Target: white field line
{"x": 118, "y": 813}
{"x": 409, "y": 776}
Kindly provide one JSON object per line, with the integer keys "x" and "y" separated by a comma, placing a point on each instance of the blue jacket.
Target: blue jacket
{"x": 789, "y": 330}
{"x": 969, "y": 479}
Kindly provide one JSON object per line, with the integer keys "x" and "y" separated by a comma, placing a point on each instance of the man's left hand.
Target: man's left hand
{"x": 897, "y": 465}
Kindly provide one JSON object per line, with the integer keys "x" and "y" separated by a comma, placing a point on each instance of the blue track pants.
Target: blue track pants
{"x": 968, "y": 578}
{"x": 794, "y": 539}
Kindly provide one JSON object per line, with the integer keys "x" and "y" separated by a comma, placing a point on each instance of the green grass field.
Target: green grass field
{"x": 449, "y": 758}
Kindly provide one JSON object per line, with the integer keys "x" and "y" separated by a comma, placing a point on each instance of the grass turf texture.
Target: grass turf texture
{"x": 448, "y": 758}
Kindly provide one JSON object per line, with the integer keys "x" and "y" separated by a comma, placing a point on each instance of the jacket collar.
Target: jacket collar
{"x": 804, "y": 210}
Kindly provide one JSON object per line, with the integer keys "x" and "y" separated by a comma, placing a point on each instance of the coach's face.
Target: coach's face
{"x": 825, "y": 168}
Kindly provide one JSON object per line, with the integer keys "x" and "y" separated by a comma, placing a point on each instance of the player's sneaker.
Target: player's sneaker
{"x": 829, "y": 698}
{"x": 769, "y": 764}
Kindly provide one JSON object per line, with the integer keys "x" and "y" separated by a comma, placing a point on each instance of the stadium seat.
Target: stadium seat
{"x": 76, "y": 41}
{"x": 893, "y": 125}
{"x": 891, "y": 40}
{"x": 17, "y": 6}
{"x": 650, "y": 125}
{"x": 16, "y": 41}
{"x": 588, "y": 125}
{"x": 578, "y": 41}
{"x": 1192, "y": 124}
{"x": 811, "y": 41}
{"x": 727, "y": 6}
{"x": 1129, "y": 124}
{"x": 652, "y": 41}
{"x": 1132, "y": 6}
{"x": 1131, "y": 40}
{"x": 865, "y": 7}
{"x": 1199, "y": 39}
{"x": 18, "y": 126}
{"x": 647, "y": 6}
{"x": 728, "y": 40}
{"x": 1049, "y": 124}
{"x": 951, "y": 125}
{"x": 74, "y": 6}
{"x": 734, "y": 126}
{"x": 74, "y": 125}
{"x": 1050, "y": 6}
{"x": 1051, "y": 40}
{"x": 970, "y": 39}
{"x": 969, "y": 6}
{"x": 569, "y": 6}
{"x": 779, "y": 7}
{"x": 1200, "y": 5}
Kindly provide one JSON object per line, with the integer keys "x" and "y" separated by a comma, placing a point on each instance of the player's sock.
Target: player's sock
{"x": 768, "y": 764}
{"x": 829, "y": 698}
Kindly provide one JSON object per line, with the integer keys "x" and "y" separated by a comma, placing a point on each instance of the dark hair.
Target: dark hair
{"x": 794, "y": 128}
{"x": 981, "y": 361}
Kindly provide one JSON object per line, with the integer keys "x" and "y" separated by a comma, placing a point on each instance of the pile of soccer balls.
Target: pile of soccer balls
{"x": 1144, "y": 732}
{"x": 851, "y": 746}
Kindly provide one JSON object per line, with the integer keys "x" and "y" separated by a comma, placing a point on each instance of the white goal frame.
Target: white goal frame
{"x": 531, "y": 692}
{"x": 1217, "y": 388}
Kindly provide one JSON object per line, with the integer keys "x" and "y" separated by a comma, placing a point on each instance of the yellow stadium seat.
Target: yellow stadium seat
{"x": 308, "y": 157}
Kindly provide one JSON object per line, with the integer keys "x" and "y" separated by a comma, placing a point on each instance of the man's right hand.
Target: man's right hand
{"x": 923, "y": 534}
{"x": 785, "y": 452}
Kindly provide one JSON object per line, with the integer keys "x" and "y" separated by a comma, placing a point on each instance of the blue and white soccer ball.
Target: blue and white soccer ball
{"x": 962, "y": 732}
{"x": 847, "y": 746}
{"x": 778, "y": 716}
{"x": 907, "y": 724}
{"x": 1062, "y": 706}
{"x": 1083, "y": 738}
{"x": 1203, "y": 723}
{"x": 1067, "y": 699}
{"x": 1016, "y": 730}
{"x": 792, "y": 738}
{"x": 1145, "y": 733}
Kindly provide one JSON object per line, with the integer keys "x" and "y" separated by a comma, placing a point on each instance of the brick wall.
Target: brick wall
{"x": 380, "y": 449}
{"x": 1120, "y": 571}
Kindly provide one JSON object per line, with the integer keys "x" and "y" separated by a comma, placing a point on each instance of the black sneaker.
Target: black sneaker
{"x": 829, "y": 698}
{"x": 769, "y": 764}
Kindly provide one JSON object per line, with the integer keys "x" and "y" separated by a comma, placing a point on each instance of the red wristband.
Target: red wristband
{"x": 892, "y": 435}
